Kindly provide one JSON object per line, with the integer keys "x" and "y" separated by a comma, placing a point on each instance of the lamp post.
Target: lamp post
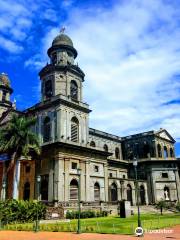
{"x": 79, "y": 199}
{"x": 38, "y": 192}
{"x": 137, "y": 191}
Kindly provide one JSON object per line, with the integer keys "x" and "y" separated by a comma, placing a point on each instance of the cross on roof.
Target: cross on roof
{"x": 62, "y": 30}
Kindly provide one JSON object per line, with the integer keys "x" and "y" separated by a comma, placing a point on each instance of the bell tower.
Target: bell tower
{"x": 62, "y": 80}
{"x": 5, "y": 93}
{"x": 62, "y": 75}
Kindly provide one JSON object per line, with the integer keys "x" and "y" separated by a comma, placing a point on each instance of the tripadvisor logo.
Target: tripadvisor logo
{"x": 139, "y": 231}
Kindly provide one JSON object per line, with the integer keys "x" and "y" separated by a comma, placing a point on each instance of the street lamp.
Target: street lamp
{"x": 38, "y": 179}
{"x": 137, "y": 191}
{"x": 79, "y": 199}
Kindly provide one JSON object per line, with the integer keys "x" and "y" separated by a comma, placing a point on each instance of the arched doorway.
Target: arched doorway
{"x": 166, "y": 193}
{"x": 142, "y": 195}
{"x": 26, "y": 194}
{"x": 113, "y": 192}
{"x": 129, "y": 194}
{"x": 96, "y": 192}
{"x": 74, "y": 190}
{"x": 44, "y": 187}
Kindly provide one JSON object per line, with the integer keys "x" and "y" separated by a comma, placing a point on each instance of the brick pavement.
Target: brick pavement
{"x": 15, "y": 235}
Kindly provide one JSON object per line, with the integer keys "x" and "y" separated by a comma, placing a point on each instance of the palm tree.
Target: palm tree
{"x": 17, "y": 139}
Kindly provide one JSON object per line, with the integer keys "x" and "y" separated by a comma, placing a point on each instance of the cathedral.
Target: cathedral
{"x": 76, "y": 156}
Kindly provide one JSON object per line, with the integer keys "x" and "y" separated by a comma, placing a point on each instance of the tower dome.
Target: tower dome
{"x": 62, "y": 42}
{"x": 4, "y": 80}
{"x": 62, "y": 39}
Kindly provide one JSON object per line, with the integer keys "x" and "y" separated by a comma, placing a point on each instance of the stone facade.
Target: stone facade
{"x": 68, "y": 144}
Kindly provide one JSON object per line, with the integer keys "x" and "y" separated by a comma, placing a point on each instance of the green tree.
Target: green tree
{"x": 17, "y": 139}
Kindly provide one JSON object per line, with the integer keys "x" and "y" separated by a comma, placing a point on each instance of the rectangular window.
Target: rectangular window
{"x": 96, "y": 168}
{"x": 28, "y": 168}
{"x": 110, "y": 175}
{"x": 74, "y": 165}
{"x": 164, "y": 175}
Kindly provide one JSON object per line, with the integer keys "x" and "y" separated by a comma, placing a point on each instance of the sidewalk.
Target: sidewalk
{"x": 13, "y": 235}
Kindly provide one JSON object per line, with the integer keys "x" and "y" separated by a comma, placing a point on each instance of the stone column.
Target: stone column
{"x": 156, "y": 150}
{"x": 177, "y": 184}
{"x": 87, "y": 182}
{"x": 83, "y": 185}
{"x": 105, "y": 182}
{"x": 59, "y": 126}
{"x": 60, "y": 175}
{"x": 66, "y": 179}
{"x": 119, "y": 193}
{"x": 51, "y": 186}
{"x": 150, "y": 187}
{"x": 134, "y": 194}
{"x": 122, "y": 194}
{"x": 52, "y": 127}
{"x": 146, "y": 196}
{"x": 16, "y": 180}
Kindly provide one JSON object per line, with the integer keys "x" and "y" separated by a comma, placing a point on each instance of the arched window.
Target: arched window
{"x": 171, "y": 153}
{"x": 96, "y": 192}
{"x": 117, "y": 154}
{"x": 26, "y": 191}
{"x": 47, "y": 129}
{"x": 74, "y": 190}
{"x": 48, "y": 88}
{"x": 105, "y": 147}
{"x": 165, "y": 152}
{"x": 159, "y": 151}
{"x": 74, "y": 90}
{"x": 74, "y": 129}
{"x": 92, "y": 144}
{"x": 113, "y": 192}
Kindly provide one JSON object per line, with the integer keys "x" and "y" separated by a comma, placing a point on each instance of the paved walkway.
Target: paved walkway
{"x": 12, "y": 235}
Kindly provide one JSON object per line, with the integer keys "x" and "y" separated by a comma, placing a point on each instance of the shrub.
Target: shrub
{"x": 21, "y": 211}
{"x": 85, "y": 214}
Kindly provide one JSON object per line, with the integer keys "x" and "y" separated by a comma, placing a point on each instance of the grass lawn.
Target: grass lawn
{"x": 106, "y": 224}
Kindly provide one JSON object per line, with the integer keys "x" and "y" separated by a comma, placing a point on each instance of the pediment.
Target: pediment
{"x": 165, "y": 135}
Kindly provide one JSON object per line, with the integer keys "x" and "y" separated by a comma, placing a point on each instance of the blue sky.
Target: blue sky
{"x": 129, "y": 51}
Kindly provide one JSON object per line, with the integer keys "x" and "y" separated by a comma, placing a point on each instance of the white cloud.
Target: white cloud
{"x": 10, "y": 45}
{"x": 130, "y": 54}
{"x": 17, "y": 18}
